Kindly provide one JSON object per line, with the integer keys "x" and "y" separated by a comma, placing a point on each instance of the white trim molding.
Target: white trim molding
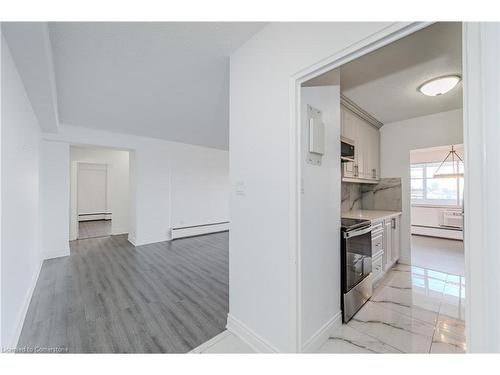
{"x": 56, "y": 254}
{"x": 26, "y": 304}
{"x": 198, "y": 230}
{"x": 208, "y": 344}
{"x": 132, "y": 240}
{"x": 323, "y": 334}
{"x": 481, "y": 61}
{"x": 252, "y": 339}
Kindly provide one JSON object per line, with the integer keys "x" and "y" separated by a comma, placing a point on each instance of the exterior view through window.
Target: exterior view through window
{"x": 425, "y": 189}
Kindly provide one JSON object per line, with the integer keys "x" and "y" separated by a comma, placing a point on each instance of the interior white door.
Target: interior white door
{"x": 92, "y": 188}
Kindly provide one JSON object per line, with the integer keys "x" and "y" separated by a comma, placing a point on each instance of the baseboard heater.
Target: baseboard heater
{"x": 95, "y": 216}
{"x": 197, "y": 230}
{"x": 441, "y": 232}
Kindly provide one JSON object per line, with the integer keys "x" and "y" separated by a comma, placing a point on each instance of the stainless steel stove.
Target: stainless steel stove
{"x": 350, "y": 224}
{"x": 356, "y": 265}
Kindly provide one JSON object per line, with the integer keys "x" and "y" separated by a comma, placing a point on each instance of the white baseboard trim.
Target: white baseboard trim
{"x": 131, "y": 239}
{"x": 198, "y": 230}
{"x": 451, "y": 234}
{"x": 147, "y": 242}
{"x": 207, "y": 344}
{"x": 55, "y": 254}
{"x": 321, "y": 336}
{"x": 257, "y": 343}
{"x": 26, "y": 304}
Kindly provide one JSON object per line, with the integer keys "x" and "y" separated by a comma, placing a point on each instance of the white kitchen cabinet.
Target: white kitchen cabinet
{"x": 392, "y": 241}
{"x": 396, "y": 238}
{"x": 387, "y": 244}
{"x": 363, "y": 141}
{"x": 366, "y": 139}
{"x": 349, "y": 130}
{"x": 377, "y": 267}
{"x": 372, "y": 145}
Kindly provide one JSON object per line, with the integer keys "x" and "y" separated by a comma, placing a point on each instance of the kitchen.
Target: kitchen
{"x": 370, "y": 209}
{"x": 356, "y": 177}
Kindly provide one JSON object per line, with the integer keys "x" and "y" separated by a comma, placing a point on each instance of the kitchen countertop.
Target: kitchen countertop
{"x": 369, "y": 214}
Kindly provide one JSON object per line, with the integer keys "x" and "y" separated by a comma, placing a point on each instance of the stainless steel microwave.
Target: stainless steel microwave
{"x": 347, "y": 148}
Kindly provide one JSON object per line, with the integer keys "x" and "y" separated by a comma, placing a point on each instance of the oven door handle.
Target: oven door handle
{"x": 356, "y": 233}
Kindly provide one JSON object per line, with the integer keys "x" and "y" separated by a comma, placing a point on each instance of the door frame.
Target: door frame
{"x": 481, "y": 79}
{"x": 380, "y": 39}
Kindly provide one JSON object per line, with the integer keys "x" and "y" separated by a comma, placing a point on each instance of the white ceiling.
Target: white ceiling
{"x": 165, "y": 80}
{"x": 384, "y": 82}
{"x": 30, "y": 46}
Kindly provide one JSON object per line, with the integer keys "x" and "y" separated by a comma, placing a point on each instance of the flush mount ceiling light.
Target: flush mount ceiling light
{"x": 439, "y": 86}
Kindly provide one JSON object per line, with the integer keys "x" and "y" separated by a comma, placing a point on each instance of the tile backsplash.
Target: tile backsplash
{"x": 351, "y": 196}
{"x": 386, "y": 195}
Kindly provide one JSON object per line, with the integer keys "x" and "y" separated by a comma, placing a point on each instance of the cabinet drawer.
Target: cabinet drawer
{"x": 377, "y": 267}
{"x": 377, "y": 243}
{"x": 377, "y": 228}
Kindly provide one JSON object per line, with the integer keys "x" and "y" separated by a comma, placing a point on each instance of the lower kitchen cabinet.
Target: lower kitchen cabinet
{"x": 396, "y": 238}
{"x": 386, "y": 242}
{"x": 392, "y": 241}
{"x": 378, "y": 266}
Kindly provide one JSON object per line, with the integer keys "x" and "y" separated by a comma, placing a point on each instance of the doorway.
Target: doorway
{"x": 94, "y": 213}
{"x": 99, "y": 191}
{"x": 437, "y": 201}
{"x": 374, "y": 103}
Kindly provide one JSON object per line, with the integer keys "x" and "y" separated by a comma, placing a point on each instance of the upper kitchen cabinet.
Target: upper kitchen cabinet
{"x": 366, "y": 138}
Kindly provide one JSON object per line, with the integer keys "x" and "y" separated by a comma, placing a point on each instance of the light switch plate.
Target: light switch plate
{"x": 240, "y": 188}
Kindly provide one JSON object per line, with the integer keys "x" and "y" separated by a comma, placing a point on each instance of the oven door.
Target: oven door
{"x": 358, "y": 257}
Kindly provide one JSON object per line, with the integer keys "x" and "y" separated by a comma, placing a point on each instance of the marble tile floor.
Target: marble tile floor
{"x": 413, "y": 310}
{"x": 439, "y": 254}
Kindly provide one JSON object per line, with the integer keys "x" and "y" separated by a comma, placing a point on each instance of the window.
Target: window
{"x": 438, "y": 191}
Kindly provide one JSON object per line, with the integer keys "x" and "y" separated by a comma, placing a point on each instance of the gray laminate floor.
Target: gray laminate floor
{"x": 94, "y": 228}
{"x": 109, "y": 296}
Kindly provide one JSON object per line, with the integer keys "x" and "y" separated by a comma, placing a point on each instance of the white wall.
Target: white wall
{"x": 153, "y": 163}
{"x": 397, "y": 139}
{"x": 200, "y": 186}
{"x": 320, "y": 219}
{"x": 20, "y": 258}
{"x": 261, "y": 269}
{"x": 54, "y": 199}
{"x": 118, "y": 195}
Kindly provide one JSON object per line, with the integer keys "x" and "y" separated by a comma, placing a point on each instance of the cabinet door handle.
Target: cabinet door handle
{"x": 356, "y": 170}
{"x": 374, "y": 173}
{"x": 393, "y": 223}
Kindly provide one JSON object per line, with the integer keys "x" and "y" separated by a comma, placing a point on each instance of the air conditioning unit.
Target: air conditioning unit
{"x": 453, "y": 219}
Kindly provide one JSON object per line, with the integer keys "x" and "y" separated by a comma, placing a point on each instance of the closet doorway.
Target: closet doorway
{"x": 99, "y": 192}
{"x": 94, "y": 215}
